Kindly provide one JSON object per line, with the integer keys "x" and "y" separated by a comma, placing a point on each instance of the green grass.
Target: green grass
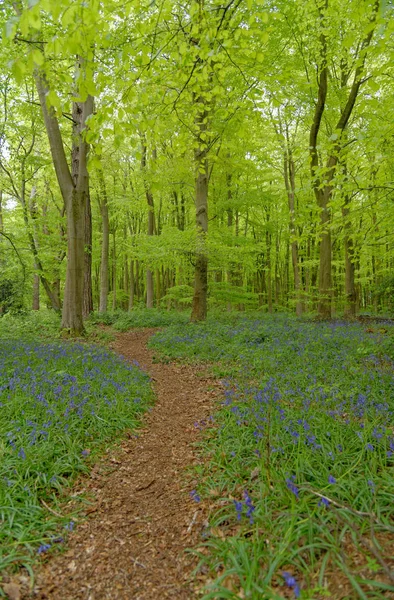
{"x": 300, "y": 456}
{"x": 61, "y": 404}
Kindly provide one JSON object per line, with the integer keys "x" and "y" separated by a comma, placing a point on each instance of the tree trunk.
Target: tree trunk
{"x": 114, "y": 269}
{"x": 1, "y": 211}
{"x": 199, "y": 304}
{"x": 104, "y": 279}
{"x": 151, "y": 224}
{"x": 74, "y": 186}
{"x": 131, "y": 290}
{"x": 350, "y": 288}
{"x": 323, "y": 183}
{"x": 87, "y": 287}
{"x": 36, "y": 291}
{"x": 289, "y": 175}
{"x": 324, "y": 306}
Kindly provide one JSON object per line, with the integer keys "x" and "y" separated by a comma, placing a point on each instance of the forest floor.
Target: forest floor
{"x": 143, "y": 516}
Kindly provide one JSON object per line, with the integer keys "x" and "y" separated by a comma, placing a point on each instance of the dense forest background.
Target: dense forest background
{"x": 197, "y": 154}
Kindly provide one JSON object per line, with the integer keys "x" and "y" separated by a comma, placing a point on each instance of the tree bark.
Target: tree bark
{"x": 36, "y": 291}
{"x": 199, "y": 304}
{"x": 74, "y": 187}
{"x": 114, "y": 270}
{"x": 132, "y": 287}
{"x": 87, "y": 287}
{"x": 323, "y": 187}
{"x": 151, "y": 225}
{"x": 104, "y": 279}
{"x": 289, "y": 176}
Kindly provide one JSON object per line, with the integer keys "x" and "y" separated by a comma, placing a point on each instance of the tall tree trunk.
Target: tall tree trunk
{"x": 87, "y": 286}
{"x": 350, "y": 287}
{"x": 104, "y": 265}
{"x": 132, "y": 287}
{"x": 1, "y": 211}
{"x": 114, "y": 270}
{"x": 323, "y": 184}
{"x": 74, "y": 186}
{"x": 268, "y": 275}
{"x": 289, "y": 176}
{"x": 36, "y": 290}
{"x": 199, "y": 305}
{"x": 26, "y": 211}
{"x": 151, "y": 224}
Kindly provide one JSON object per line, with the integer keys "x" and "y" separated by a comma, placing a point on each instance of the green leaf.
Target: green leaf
{"x": 38, "y": 57}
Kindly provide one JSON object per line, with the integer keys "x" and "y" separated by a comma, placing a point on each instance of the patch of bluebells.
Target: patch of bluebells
{"x": 311, "y": 401}
{"x": 58, "y": 402}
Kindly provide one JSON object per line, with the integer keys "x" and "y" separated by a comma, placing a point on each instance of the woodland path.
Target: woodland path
{"x": 132, "y": 546}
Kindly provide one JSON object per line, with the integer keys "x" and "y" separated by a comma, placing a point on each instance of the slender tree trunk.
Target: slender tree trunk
{"x": 36, "y": 290}
{"x": 151, "y": 225}
{"x": 114, "y": 270}
{"x": 87, "y": 288}
{"x": 131, "y": 289}
{"x": 350, "y": 287}
{"x": 289, "y": 175}
{"x": 199, "y": 306}
{"x": 1, "y": 211}
{"x": 104, "y": 265}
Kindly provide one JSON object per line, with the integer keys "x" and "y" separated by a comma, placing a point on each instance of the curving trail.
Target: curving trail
{"x": 132, "y": 546}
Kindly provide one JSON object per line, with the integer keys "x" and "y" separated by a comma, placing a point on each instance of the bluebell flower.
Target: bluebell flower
{"x": 43, "y": 548}
{"x": 291, "y": 582}
{"x": 249, "y": 506}
{"x": 238, "y": 508}
{"x": 195, "y": 496}
{"x": 324, "y": 502}
{"x": 291, "y": 485}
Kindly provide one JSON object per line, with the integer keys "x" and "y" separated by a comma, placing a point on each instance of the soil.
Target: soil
{"x": 143, "y": 518}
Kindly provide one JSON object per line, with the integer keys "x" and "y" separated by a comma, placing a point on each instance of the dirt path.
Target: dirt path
{"x": 132, "y": 546}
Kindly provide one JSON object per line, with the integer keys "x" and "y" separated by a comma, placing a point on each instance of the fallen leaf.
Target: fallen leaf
{"x": 12, "y": 591}
{"x": 72, "y": 566}
{"x": 255, "y": 473}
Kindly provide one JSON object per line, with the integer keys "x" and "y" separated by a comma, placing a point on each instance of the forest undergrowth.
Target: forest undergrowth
{"x": 300, "y": 456}
{"x": 61, "y": 404}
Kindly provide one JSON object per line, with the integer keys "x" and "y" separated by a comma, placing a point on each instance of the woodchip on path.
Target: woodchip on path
{"x": 132, "y": 546}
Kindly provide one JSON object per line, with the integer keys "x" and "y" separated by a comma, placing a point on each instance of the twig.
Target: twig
{"x": 335, "y": 503}
{"x": 51, "y": 509}
{"x": 192, "y": 522}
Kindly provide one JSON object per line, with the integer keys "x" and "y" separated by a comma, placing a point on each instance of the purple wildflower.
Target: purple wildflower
{"x": 194, "y": 496}
{"x": 324, "y": 502}
{"x": 249, "y": 506}
{"x": 291, "y": 582}
{"x": 238, "y": 508}
{"x": 43, "y": 548}
{"x": 291, "y": 486}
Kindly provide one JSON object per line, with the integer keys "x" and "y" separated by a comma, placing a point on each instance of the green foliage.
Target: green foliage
{"x": 178, "y": 296}
{"x": 299, "y": 457}
{"x": 11, "y": 296}
{"x": 224, "y": 294}
{"x": 123, "y": 321}
{"x": 31, "y": 325}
